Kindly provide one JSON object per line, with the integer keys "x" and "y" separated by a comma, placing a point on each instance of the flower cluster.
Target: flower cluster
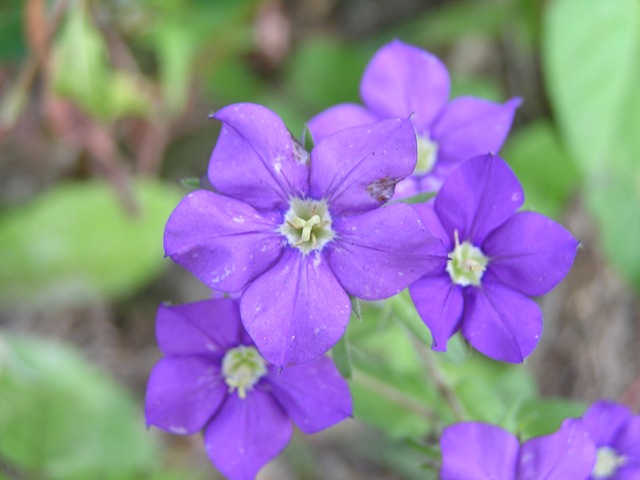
{"x": 291, "y": 235}
{"x": 603, "y": 444}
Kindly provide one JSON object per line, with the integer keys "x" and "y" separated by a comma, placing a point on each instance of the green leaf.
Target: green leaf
{"x": 65, "y": 419}
{"x": 323, "y": 72}
{"x": 75, "y": 244}
{"x": 542, "y": 416}
{"x": 590, "y": 57}
{"x": 81, "y": 69}
{"x": 592, "y": 66}
{"x": 82, "y": 72}
{"x": 341, "y": 357}
{"x": 390, "y": 387}
{"x": 547, "y": 174}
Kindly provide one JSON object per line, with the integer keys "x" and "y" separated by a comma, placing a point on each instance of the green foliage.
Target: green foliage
{"x": 12, "y": 45}
{"x": 323, "y": 72}
{"x": 75, "y": 244}
{"x": 62, "y": 419}
{"x": 83, "y": 73}
{"x": 548, "y": 176}
{"x": 398, "y": 382}
{"x": 542, "y": 416}
{"x": 592, "y": 67}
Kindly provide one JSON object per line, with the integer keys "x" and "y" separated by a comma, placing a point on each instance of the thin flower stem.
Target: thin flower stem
{"x": 394, "y": 395}
{"x": 402, "y": 306}
{"x": 443, "y": 387}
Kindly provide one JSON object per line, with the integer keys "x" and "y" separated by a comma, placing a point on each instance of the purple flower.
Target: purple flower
{"x": 212, "y": 378}
{"x": 403, "y": 80}
{"x": 299, "y": 232}
{"x": 478, "y": 451}
{"x": 615, "y": 432}
{"x": 498, "y": 259}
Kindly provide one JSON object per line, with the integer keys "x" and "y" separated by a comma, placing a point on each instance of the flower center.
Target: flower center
{"x": 466, "y": 263}
{"x": 427, "y": 154}
{"x": 607, "y": 462}
{"x": 242, "y": 367}
{"x": 307, "y": 224}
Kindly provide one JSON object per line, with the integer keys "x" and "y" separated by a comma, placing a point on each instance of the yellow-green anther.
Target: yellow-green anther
{"x": 242, "y": 368}
{"x": 466, "y": 263}
{"x": 607, "y": 462}
{"x": 307, "y": 224}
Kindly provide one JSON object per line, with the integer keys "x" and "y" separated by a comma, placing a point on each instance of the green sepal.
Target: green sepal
{"x": 192, "y": 183}
{"x": 307, "y": 139}
{"x": 342, "y": 357}
{"x": 419, "y": 198}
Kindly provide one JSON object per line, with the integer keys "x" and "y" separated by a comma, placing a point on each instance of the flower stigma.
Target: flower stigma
{"x": 466, "y": 263}
{"x": 307, "y": 224}
{"x": 427, "y": 154}
{"x": 242, "y": 367}
{"x": 607, "y": 462}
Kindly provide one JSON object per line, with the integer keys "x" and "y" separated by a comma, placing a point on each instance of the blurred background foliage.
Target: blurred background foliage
{"x": 103, "y": 109}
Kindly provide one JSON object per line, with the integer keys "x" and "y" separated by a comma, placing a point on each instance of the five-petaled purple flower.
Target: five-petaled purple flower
{"x": 615, "y": 432}
{"x": 403, "y": 80}
{"x": 299, "y": 232}
{"x": 479, "y": 451}
{"x": 212, "y": 378}
{"x": 498, "y": 259}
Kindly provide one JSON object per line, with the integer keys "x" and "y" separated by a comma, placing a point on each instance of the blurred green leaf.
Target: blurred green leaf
{"x": 591, "y": 51}
{"x": 490, "y": 391}
{"x": 323, "y": 72}
{"x": 75, "y": 244}
{"x": 12, "y": 41}
{"x": 65, "y": 420}
{"x": 542, "y": 416}
{"x": 341, "y": 357}
{"x": 390, "y": 387}
{"x": 592, "y": 67}
{"x": 547, "y": 174}
{"x": 83, "y": 74}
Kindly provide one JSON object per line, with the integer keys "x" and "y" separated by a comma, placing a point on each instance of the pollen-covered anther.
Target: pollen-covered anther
{"x": 242, "y": 368}
{"x": 466, "y": 263}
{"x": 607, "y": 462}
{"x": 307, "y": 224}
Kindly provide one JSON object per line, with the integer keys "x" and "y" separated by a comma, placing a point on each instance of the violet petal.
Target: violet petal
{"x": 567, "y": 453}
{"x": 356, "y": 169}
{"x": 403, "y": 80}
{"x": 379, "y": 253}
{"x": 440, "y": 304}
{"x": 604, "y": 420}
{"x": 530, "y": 253}
{"x": 477, "y": 197}
{"x": 478, "y": 451}
{"x": 246, "y": 434}
{"x": 296, "y": 311}
{"x": 501, "y": 323}
{"x": 338, "y": 118}
{"x": 222, "y": 241}
{"x": 472, "y": 126}
{"x": 183, "y": 393}
{"x": 432, "y": 222}
{"x": 627, "y": 443}
{"x": 207, "y": 327}
{"x": 313, "y": 394}
{"x": 256, "y": 159}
